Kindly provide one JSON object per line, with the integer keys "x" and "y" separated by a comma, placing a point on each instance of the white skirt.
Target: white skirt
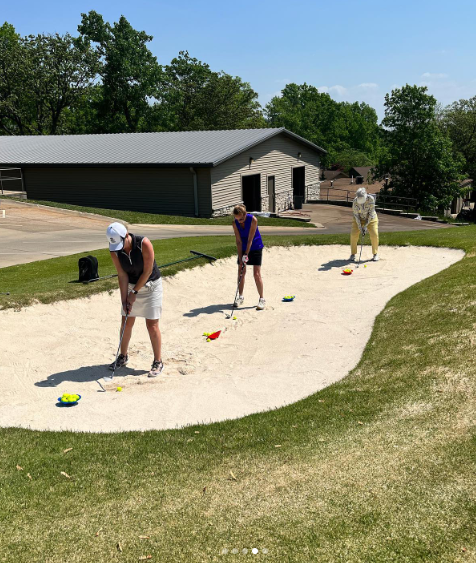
{"x": 148, "y": 303}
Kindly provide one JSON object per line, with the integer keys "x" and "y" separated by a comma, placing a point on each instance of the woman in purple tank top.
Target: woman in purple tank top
{"x": 250, "y": 251}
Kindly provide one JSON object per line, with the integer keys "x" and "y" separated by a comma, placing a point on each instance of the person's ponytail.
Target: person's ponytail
{"x": 239, "y": 209}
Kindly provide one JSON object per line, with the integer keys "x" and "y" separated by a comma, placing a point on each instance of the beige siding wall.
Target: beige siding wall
{"x": 274, "y": 157}
{"x": 151, "y": 190}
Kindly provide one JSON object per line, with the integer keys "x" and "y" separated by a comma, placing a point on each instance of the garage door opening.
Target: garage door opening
{"x": 298, "y": 186}
{"x": 251, "y": 186}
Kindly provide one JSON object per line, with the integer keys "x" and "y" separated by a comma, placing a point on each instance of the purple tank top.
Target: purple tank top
{"x": 245, "y": 231}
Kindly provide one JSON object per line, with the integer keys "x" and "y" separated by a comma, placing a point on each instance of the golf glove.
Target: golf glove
{"x": 245, "y": 258}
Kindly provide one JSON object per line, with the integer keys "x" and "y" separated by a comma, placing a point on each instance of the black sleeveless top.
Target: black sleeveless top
{"x": 133, "y": 265}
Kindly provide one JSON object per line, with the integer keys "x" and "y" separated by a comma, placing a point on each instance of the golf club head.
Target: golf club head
{"x": 108, "y": 378}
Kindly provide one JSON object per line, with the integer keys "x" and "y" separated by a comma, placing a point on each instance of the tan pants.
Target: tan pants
{"x": 372, "y": 228}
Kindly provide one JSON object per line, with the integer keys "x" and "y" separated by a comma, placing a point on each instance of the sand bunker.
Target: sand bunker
{"x": 263, "y": 360}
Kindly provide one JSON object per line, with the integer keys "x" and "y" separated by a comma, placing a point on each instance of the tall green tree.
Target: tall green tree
{"x": 338, "y": 127}
{"x": 130, "y": 74}
{"x": 458, "y": 120}
{"x": 194, "y": 97}
{"x": 13, "y": 74}
{"x": 419, "y": 156}
{"x": 40, "y": 77}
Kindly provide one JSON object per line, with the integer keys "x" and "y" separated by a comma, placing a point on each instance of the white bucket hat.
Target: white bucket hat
{"x": 361, "y": 195}
{"x": 116, "y": 233}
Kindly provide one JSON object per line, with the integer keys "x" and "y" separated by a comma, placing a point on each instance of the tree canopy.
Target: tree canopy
{"x": 458, "y": 120}
{"x": 108, "y": 81}
{"x": 338, "y": 127}
{"x": 193, "y": 97}
{"x": 419, "y": 156}
{"x": 129, "y": 73}
{"x": 40, "y": 77}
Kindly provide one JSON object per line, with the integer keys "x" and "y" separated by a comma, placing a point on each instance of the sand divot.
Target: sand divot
{"x": 262, "y": 360}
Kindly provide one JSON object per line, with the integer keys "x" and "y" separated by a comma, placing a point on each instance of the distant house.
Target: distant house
{"x": 329, "y": 175}
{"x": 361, "y": 174}
{"x": 201, "y": 173}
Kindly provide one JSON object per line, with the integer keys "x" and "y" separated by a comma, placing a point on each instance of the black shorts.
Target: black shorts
{"x": 255, "y": 257}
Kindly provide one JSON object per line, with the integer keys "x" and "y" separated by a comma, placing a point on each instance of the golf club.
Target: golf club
{"x": 361, "y": 246}
{"x": 195, "y": 257}
{"x": 110, "y": 377}
{"x": 237, "y": 289}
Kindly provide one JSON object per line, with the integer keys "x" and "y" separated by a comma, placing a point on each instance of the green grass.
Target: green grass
{"x": 379, "y": 467}
{"x": 136, "y": 217}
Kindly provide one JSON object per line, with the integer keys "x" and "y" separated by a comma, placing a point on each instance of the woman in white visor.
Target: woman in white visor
{"x": 140, "y": 284}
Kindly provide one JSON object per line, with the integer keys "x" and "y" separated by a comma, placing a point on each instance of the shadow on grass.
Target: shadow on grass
{"x": 85, "y": 374}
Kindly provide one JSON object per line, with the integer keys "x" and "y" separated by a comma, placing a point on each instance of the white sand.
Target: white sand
{"x": 263, "y": 360}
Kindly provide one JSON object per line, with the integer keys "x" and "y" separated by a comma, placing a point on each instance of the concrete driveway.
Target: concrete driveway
{"x": 29, "y": 232}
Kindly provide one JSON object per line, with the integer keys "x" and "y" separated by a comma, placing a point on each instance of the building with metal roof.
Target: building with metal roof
{"x": 201, "y": 173}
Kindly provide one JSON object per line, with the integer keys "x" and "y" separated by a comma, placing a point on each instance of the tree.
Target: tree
{"x": 40, "y": 77}
{"x": 418, "y": 156}
{"x": 130, "y": 74}
{"x": 336, "y": 127}
{"x": 193, "y": 97}
{"x": 458, "y": 120}
{"x": 349, "y": 158}
{"x": 13, "y": 73}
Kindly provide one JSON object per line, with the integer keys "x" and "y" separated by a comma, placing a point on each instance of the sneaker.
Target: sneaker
{"x": 375, "y": 258}
{"x": 261, "y": 304}
{"x": 156, "y": 369}
{"x": 239, "y": 301}
{"x": 121, "y": 362}
{"x": 352, "y": 258}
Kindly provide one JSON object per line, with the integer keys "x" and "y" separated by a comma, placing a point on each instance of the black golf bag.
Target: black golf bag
{"x": 88, "y": 268}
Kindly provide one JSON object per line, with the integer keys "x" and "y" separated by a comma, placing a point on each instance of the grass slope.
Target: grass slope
{"x": 378, "y": 467}
{"x": 136, "y": 217}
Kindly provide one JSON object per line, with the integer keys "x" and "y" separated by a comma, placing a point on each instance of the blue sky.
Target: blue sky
{"x": 357, "y": 50}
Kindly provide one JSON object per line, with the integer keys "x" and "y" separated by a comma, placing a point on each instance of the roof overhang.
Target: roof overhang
{"x": 273, "y": 133}
{"x": 109, "y": 165}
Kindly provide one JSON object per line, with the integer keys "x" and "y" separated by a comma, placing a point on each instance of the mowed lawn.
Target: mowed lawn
{"x": 379, "y": 467}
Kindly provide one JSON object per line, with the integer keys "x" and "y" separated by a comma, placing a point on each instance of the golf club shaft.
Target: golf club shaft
{"x": 238, "y": 286}
{"x": 197, "y": 255}
{"x": 120, "y": 342}
{"x": 361, "y": 247}
{"x": 201, "y": 255}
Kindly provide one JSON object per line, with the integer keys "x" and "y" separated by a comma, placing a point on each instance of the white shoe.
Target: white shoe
{"x": 239, "y": 301}
{"x": 261, "y": 304}
{"x": 352, "y": 258}
{"x": 375, "y": 258}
